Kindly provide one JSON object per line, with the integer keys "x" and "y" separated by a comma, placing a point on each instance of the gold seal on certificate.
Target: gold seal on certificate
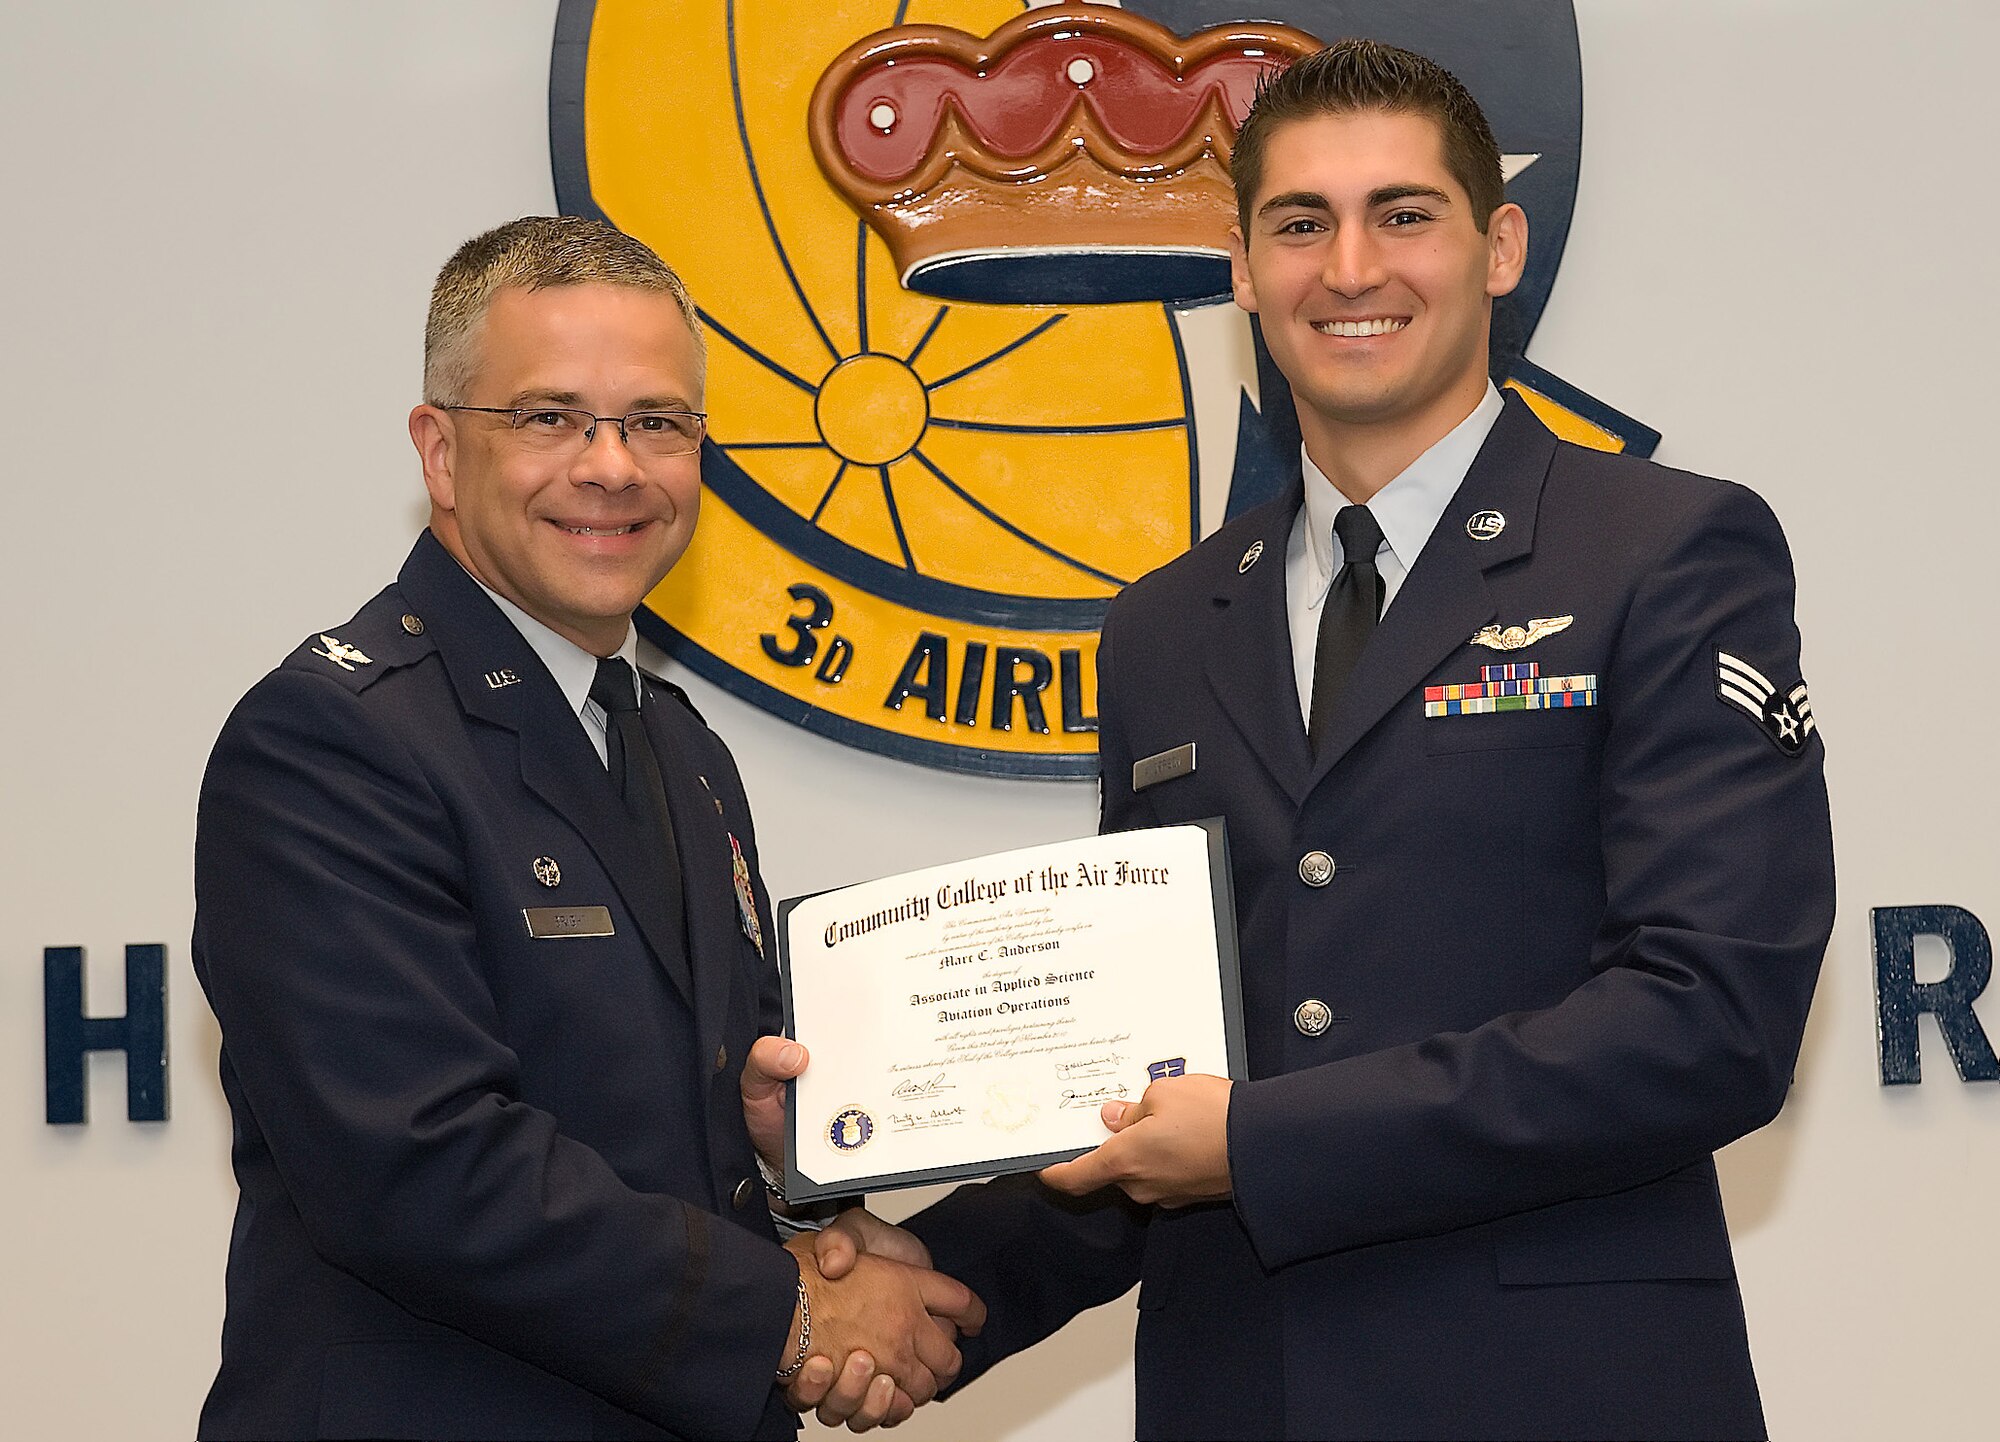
{"x": 972, "y": 1019}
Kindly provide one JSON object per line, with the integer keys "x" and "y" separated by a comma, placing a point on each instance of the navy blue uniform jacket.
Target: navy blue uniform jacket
{"x": 491, "y": 1185}
{"x": 1568, "y": 954}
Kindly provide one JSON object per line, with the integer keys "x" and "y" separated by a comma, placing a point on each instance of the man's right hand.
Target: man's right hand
{"x": 883, "y": 1336}
{"x": 856, "y": 1395}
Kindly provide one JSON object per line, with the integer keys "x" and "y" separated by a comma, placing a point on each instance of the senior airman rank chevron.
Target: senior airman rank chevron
{"x": 1512, "y": 686}
{"x": 1784, "y": 716}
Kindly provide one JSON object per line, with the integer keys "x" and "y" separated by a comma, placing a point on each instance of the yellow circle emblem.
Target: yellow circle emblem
{"x": 917, "y": 508}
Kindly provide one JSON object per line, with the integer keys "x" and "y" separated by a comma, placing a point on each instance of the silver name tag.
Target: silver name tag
{"x": 553, "y": 922}
{"x": 1163, "y": 767}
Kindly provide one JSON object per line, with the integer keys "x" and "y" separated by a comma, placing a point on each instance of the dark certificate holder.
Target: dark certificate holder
{"x": 799, "y": 1187}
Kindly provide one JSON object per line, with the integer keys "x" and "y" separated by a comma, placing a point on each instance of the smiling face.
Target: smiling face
{"x": 1372, "y": 278}
{"x": 576, "y": 541}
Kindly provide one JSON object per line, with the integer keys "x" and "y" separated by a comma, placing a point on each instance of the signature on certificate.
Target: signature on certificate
{"x": 923, "y": 1121}
{"x": 1090, "y": 1066}
{"x": 928, "y": 1087}
{"x": 1094, "y": 1097}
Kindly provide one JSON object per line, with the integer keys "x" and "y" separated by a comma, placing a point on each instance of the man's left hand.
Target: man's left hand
{"x": 773, "y": 1061}
{"x": 1171, "y": 1147}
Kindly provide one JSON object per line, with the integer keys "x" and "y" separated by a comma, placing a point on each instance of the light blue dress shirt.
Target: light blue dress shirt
{"x": 573, "y": 667}
{"x": 1407, "y": 509}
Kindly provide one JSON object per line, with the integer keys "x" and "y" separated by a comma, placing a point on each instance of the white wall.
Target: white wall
{"x": 222, "y": 220}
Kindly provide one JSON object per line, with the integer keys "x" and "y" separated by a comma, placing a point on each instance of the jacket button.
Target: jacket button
{"x": 1316, "y": 868}
{"x": 746, "y": 1191}
{"x": 1312, "y": 1017}
{"x": 721, "y": 1057}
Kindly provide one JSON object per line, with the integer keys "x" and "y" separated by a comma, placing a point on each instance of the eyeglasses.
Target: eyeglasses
{"x": 555, "y": 431}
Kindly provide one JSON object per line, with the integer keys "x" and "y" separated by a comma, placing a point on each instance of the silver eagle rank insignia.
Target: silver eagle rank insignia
{"x": 344, "y": 656}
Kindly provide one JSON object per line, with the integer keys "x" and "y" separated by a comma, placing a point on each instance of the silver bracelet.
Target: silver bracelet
{"x": 805, "y": 1335}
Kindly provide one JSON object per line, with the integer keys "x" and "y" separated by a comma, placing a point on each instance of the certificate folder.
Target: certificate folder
{"x": 970, "y": 1019}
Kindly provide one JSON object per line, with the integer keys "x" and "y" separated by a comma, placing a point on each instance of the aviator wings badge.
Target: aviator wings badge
{"x": 344, "y": 656}
{"x": 1513, "y": 638}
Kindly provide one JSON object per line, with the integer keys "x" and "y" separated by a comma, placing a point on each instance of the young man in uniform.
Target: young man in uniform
{"x": 1531, "y": 855}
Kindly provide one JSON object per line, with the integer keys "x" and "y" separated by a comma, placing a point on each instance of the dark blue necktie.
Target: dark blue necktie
{"x": 1348, "y": 618}
{"x": 635, "y": 773}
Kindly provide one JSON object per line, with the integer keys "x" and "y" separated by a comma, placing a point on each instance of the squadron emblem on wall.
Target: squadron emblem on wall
{"x": 972, "y": 367}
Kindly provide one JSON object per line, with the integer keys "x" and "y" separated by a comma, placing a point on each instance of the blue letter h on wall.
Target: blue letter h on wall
{"x": 141, "y": 1033}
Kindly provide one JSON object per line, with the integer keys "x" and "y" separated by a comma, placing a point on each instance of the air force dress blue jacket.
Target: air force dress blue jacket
{"x": 1517, "y": 958}
{"x": 495, "y": 1178}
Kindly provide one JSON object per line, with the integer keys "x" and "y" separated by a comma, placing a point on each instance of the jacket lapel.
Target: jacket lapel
{"x": 1247, "y": 648}
{"x": 564, "y": 771}
{"x": 558, "y": 763}
{"x": 708, "y": 878}
{"x": 1445, "y": 597}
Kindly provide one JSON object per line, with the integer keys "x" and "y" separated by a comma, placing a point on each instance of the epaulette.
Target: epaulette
{"x": 384, "y": 636}
{"x": 679, "y": 695}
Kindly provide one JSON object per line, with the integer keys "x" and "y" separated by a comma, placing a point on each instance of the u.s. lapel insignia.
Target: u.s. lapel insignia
{"x": 1786, "y": 716}
{"x": 344, "y": 656}
{"x": 1250, "y": 557}
{"x": 1514, "y": 686}
{"x": 746, "y": 898}
{"x": 1485, "y": 525}
{"x": 1513, "y": 638}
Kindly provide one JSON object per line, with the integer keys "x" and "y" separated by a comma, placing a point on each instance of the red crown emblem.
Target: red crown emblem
{"x": 1077, "y": 154}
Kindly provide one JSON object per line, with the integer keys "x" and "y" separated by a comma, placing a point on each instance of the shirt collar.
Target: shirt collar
{"x": 1410, "y": 506}
{"x": 573, "y": 667}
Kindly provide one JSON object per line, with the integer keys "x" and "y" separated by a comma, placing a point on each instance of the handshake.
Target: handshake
{"x": 876, "y": 1334}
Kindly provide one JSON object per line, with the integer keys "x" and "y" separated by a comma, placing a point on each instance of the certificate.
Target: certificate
{"x": 971, "y": 1019}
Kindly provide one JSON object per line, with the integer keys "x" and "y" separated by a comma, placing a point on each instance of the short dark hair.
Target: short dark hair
{"x": 1352, "y": 75}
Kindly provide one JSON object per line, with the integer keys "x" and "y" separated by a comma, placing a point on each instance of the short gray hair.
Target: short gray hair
{"x": 531, "y": 253}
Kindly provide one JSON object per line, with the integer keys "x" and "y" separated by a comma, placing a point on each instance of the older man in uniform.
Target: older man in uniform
{"x": 1531, "y": 855}
{"x": 478, "y": 911}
